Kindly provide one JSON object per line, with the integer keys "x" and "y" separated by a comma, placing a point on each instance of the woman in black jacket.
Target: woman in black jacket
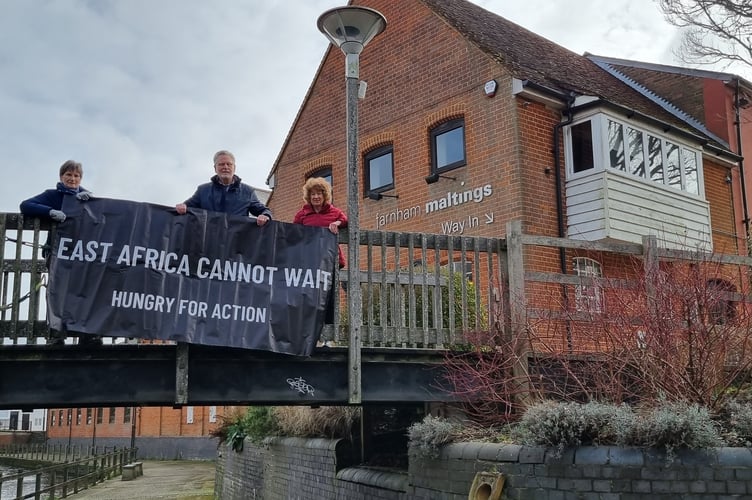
{"x": 48, "y": 205}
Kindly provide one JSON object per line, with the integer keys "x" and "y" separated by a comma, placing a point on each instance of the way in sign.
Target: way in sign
{"x": 458, "y": 227}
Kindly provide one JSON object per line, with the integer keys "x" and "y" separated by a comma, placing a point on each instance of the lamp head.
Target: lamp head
{"x": 351, "y": 28}
{"x": 434, "y": 177}
{"x": 376, "y": 196}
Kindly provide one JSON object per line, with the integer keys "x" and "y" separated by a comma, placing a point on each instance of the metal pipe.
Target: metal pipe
{"x": 738, "y": 124}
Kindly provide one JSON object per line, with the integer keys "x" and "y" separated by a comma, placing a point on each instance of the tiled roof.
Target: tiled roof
{"x": 528, "y": 56}
{"x": 680, "y": 93}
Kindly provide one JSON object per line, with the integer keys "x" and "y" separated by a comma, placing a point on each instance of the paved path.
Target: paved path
{"x": 178, "y": 479}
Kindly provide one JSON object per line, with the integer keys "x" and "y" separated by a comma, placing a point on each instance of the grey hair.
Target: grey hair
{"x": 223, "y": 152}
{"x": 71, "y": 166}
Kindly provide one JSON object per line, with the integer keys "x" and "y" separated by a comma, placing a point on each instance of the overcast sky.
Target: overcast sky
{"x": 143, "y": 92}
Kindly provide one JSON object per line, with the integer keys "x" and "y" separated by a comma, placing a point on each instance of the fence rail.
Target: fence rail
{"x": 61, "y": 479}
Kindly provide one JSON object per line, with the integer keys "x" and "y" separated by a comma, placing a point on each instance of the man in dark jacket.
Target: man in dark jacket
{"x": 225, "y": 193}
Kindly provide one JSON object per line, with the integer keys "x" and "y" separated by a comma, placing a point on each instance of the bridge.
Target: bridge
{"x": 420, "y": 293}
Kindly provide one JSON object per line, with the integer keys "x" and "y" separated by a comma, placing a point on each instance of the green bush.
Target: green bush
{"x": 674, "y": 425}
{"x": 735, "y": 418}
{"x": 255, "y": 424}
{"x": 669, "y": 426}
{"x": 561, "y": 425}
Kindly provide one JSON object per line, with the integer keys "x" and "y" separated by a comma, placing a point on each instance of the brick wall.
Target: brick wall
{"x": 301, "y": 469}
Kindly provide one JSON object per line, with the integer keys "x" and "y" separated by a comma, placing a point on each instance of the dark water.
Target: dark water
{"x": 8, "y": 490}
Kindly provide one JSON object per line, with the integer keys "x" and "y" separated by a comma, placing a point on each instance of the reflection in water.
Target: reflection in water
{"x": 9, "y": 489}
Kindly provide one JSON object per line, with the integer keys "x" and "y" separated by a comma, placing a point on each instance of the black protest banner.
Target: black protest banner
{"x": 127, "y": 269}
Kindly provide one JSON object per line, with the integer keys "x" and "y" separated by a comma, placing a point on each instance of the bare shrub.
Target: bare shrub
{"x": 323, "y": 421}
{"x": 678, "y": 330}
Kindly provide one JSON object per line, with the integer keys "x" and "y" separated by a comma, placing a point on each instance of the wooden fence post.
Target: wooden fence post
{"x": 518, "y": 310}
{"x": 650, "y": 267}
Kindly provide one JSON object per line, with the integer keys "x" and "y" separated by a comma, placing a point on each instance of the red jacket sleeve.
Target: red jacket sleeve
{"x": 341, "y": 216}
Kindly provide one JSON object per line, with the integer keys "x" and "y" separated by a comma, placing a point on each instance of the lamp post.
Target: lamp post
{"x": 350, "y": 29}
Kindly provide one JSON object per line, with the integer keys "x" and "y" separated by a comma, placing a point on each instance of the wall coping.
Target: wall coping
{"x": 313, "y": 443}
{"x": 597, "y": 455}
{"x": 374, "y": 476}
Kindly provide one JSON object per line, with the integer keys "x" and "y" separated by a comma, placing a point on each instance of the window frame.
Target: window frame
{"x": 588, "y": 298}
{"x": 325, "y": 173}
{"x": 721, "y": 310}
{"x": 371, "y": 155}
{"x": 440, "y": 130}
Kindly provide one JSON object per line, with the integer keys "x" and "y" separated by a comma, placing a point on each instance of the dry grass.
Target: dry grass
{"x": 324, "y": 421}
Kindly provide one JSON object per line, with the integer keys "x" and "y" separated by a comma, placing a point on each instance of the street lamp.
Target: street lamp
{"x": 350, "y": 29}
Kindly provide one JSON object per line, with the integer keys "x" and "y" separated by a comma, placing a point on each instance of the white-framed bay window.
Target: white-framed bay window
{"x": 602, "y": 141}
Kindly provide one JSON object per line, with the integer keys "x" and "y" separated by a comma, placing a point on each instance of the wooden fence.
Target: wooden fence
{"x": 419, "y": 290}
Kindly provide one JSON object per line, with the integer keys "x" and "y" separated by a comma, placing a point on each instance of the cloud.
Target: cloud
{"x": 143, "y": 92}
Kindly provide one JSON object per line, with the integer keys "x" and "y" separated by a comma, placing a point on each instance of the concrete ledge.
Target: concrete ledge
{"x": 378, "y": 478}
{"x": 132, "y": 471}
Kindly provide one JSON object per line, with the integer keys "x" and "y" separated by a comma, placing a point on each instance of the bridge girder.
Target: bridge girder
{"x": 176, "y": 375}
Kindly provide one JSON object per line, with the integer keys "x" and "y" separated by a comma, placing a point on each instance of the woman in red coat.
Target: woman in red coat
{"x": 319, "y": 211}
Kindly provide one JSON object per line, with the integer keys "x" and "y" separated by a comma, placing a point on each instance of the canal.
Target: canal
{"x": 8, "y": 489}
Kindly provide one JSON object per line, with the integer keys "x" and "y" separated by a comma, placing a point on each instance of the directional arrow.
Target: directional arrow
{"x": 489, "y": 218}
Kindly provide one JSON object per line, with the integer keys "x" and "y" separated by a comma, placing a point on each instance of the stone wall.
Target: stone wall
{"x": 293, "y": 468}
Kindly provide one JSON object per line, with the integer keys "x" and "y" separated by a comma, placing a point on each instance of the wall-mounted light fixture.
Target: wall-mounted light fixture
{"x": 434, "y": 177}
{"x": 490, "y": 88}
{"x": 377, "y": 196}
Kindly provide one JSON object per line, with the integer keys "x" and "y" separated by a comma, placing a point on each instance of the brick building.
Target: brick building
{"x": 471, "y": 121}
{"x": 158, "y": 432}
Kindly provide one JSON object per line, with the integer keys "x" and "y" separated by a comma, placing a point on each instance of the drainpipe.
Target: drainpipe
{"x": 738, "y": 124}
{"x": 560, "y": 203}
